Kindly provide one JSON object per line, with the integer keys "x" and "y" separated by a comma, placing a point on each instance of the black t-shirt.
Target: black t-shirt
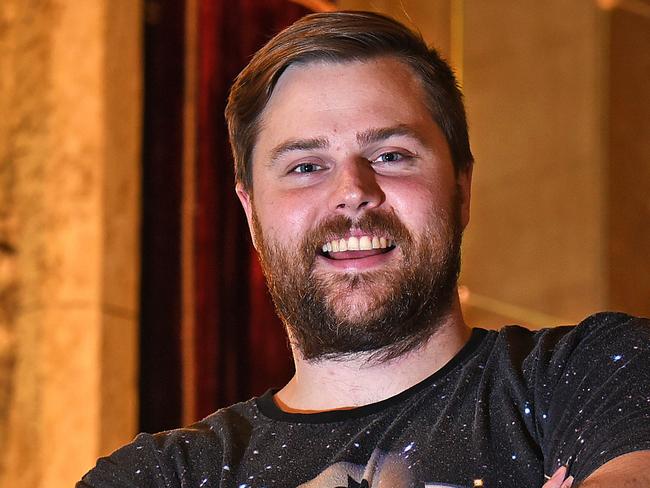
{"x": 511, "y": 407}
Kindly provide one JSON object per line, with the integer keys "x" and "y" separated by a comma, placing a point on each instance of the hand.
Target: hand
{"x": 558, "y": 479}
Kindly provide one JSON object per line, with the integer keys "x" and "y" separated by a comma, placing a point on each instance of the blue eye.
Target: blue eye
{"x": 389, "y": 157}
{"x": 306, "y": 168}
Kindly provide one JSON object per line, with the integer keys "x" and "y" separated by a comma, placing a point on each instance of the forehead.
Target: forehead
{"x": 318, "y": 98}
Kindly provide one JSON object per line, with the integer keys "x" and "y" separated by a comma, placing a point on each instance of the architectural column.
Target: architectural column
{"x": 69, "y": 194}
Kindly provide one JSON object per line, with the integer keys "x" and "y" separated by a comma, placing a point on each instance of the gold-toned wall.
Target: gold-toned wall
{"x": 628, "y": 161}
{"x": 534, "y": 78}
{"x": 558, "y": 107}
{"x": 69, "y": 194}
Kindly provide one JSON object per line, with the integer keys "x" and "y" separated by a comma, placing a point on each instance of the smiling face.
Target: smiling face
{"x": 355, "y": 209}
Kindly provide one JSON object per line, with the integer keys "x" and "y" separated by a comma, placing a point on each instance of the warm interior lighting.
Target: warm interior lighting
{"x": 608, "y": 4}
{"x": 637, "y": 7}
{"x": 317, "y": 5}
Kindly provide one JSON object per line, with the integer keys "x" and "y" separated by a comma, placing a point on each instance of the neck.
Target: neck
{"x": 354, "y": 381}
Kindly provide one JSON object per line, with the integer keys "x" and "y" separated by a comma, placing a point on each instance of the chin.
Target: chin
{"x": 356, "y": 306}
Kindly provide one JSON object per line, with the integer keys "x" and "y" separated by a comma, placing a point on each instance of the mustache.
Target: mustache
{"x": 379, "y": 222}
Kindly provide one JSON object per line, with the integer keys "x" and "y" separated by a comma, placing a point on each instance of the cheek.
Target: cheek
{"x": 285, "y": 218}
{"x": 412, "y": 200}
{"x": 422, "y": 210}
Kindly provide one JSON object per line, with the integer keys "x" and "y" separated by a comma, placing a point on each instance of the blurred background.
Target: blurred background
{"x": 130, "y": 298}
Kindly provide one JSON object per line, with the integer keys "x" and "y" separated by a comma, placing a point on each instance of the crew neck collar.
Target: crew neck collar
{"x": 267, "y": 406}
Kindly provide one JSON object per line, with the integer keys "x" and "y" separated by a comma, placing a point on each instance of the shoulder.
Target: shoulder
{"x": 161, "y": 459}
{"x": 591, "y": 382}
{"x": 603, "y": 325}
{"x": 600, "y": 332}
{"x": 599, "y": 339}
{"x": 225, "y": 426}
{"x": 533, "y": 360}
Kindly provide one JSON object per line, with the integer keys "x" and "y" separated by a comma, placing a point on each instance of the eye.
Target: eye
{"x": 389, "y": 157}
{"x": 306, "y": 168}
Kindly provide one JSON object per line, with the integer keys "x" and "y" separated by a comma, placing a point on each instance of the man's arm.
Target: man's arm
{"x": 628, "y": 470}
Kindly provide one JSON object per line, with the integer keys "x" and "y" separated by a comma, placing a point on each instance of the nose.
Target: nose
{"x": 356, "y": 188}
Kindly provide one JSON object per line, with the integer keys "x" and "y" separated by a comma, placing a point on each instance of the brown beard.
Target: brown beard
{"x": 384, "y": 313}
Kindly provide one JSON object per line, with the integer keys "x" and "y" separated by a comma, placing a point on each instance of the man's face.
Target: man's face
{"x": 355, "y": 210}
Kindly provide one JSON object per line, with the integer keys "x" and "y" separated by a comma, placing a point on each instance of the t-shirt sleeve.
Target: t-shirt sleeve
{"x": 136, "y": 465}
{"x": 191, "y": 456}
{"x": 172, "y": 459}
{"x": 594, "y": 386}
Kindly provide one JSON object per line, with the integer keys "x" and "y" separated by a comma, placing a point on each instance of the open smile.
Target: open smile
{"x": 357, "y": 243}
{"x": 350, "y": 251}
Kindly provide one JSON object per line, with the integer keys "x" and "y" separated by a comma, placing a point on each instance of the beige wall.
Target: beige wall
{"x": 558, "y": 108}
{"x": 534, "y": 80}
{"x": 69, "y": 181}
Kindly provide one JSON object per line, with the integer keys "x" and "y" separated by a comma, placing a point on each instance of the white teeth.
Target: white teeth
{"x": 365, "y": 244}
{"x": 354, "y": 243}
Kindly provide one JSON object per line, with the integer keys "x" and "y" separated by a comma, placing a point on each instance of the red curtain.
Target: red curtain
{"x": 161, "y": 400}
{"x": 241, "y": 348}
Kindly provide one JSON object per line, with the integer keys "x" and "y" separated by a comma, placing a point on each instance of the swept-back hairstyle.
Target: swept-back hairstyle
{"x": 341, "y": 37}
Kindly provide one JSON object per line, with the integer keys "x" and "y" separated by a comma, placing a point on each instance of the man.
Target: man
{"x": 353, "y": 166}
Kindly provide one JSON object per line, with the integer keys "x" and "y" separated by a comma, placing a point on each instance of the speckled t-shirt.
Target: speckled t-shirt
{"x": 511, "y": 407}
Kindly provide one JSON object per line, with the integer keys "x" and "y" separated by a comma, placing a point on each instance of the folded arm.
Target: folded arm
{"x": 628, "y": 470}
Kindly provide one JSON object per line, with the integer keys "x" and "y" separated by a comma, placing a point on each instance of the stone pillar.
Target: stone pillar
{"x": 69, "y": 189}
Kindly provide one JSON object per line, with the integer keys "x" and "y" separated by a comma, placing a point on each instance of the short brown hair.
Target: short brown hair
{"x": 339, "y": 37}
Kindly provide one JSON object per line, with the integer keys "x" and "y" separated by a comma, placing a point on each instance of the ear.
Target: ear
{"x": 464, "y": 180}
{"x": 246, "y": 200}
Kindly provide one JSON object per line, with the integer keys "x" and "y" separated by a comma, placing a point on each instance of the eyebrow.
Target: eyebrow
{"x": 297, "y": 145}
{"x": 372, "y": 136}
{"x": 364, "y": 138}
